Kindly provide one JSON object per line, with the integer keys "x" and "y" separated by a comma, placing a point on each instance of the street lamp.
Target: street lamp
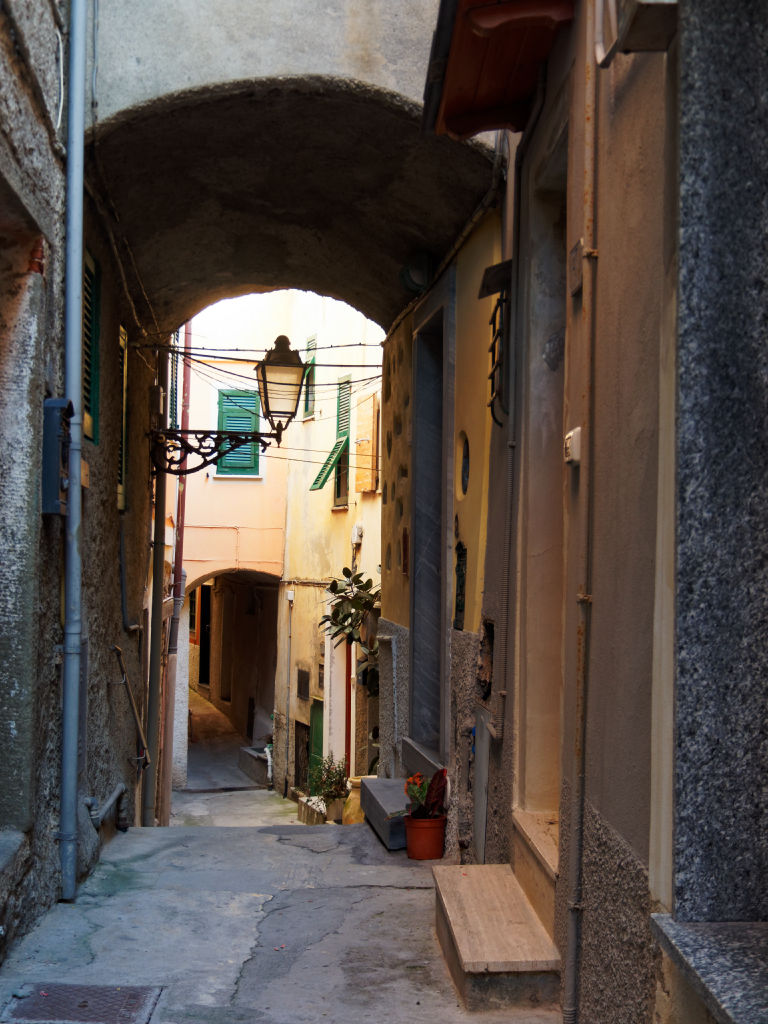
{"x": 280, "y": 375}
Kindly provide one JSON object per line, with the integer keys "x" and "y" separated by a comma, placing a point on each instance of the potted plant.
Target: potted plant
{"x": 425, "y": 824}
{"x": 328, "y": 780}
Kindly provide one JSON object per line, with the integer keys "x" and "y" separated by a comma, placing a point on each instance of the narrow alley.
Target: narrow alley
{"x": 270, "y": 921}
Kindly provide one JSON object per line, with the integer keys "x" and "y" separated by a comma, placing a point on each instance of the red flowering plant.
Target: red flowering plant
{"x": 427, "y": 796}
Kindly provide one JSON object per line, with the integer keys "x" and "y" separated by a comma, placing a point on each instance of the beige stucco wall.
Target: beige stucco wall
{"x": 472, "y": 418}
{"x": 319, "y": 535}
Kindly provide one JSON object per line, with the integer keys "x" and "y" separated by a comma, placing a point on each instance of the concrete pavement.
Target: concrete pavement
{"x": 260, "y": 921}
{"x": 281, "y": 924}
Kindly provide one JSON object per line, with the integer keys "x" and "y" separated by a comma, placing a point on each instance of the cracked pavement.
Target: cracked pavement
{"x": 278, "y": 923}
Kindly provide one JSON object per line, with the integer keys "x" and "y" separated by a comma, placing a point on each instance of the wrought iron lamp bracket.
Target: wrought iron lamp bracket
{"x": 170, "y": 449}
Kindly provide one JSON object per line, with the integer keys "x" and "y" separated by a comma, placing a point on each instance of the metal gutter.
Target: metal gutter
{"x": 438, "y": 61}
{"x": 73, "y": 387}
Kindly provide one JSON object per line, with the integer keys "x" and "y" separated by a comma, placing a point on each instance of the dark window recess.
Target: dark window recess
{"x": 302, "y": 683}
{"x": 192, "y": 611}
{"x": 341, "y": 481}
{"x": 321, "y": 676}
{"x": 461, "y": 584}
{"x": 496, "y": 280}
{"x": 485, "y": 659}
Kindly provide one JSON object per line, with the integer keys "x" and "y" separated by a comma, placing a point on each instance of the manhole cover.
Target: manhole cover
{"x": 82, "y": 1004}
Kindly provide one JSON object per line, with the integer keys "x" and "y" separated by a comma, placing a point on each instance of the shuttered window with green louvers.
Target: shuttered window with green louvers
{"x": 239, "y": 411}
{"x": 338, "y": 458}
{"x": 91, "y": 316}
{"x": 309, "y": 379}
{"x": 121, "y": 452}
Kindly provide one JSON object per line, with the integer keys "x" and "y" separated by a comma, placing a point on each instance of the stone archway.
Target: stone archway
{"x": 322, "y": 184}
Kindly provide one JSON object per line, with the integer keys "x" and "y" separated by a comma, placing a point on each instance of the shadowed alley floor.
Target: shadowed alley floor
{"x": 271, "y": 922}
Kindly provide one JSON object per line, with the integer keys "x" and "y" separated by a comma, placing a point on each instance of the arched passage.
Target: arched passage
{"x": 318, "y": 183}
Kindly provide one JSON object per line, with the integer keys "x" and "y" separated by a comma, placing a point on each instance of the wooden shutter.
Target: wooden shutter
{"x": 309, "y": 380}
{"x": 239, "y": 410}
{"x": 342, "y": 408}
{"x": 367, "y": 445}
{"x": 91, "y": 287}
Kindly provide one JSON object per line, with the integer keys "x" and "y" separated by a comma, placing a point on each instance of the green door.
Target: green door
{"x": 315, "y": 735}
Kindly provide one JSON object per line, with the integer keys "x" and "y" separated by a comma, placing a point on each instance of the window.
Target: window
{"x": 302, "y": 683}
{"x": 173, "y": 384}
{"x": 309, "y": 379}
{"x": 239, "y": 411}
{"x": 338, "y": 459}
{"x": 121, "y": 452}
{"x": 91, "y": 317}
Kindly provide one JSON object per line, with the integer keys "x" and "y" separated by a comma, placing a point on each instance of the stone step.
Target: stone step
{"x": 383, "y": 802}
{"x": 498, "y": 952}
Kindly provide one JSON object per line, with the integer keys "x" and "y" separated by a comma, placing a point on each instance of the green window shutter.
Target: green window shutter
{"x": 173, "y": 397}
{"x": 342, "y": 408}
{"x": 239, "y": 410}
{"x": 121, "y": 452}
{"x": 309, "y": 379}
{"x": 330, "y": 464}
{"x": 342, "y": 435}
{"x": 91, "y": 315}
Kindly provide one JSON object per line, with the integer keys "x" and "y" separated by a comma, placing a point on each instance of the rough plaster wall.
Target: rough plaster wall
{"x": 619, "y": 958}
{"x": 465, "y": 650}
{"x": 394, "y": 696}
{"x": 31, "y": 203}
{"x": 111, "y": 735}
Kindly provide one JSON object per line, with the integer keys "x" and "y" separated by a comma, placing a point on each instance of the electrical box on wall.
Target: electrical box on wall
{"x": 57, "y": 413}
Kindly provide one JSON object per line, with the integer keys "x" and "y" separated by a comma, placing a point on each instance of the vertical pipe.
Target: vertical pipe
{"x": 179, "y": 577}
{"x": 156, "y": 622}
{"x": 348, "y": 709}
{"x": 288, "y": 698}
{"x": 572, "y": 971}
{"x": 73, "y": 386}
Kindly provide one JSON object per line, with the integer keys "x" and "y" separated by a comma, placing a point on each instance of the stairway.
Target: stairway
{"x": 498, "y": 952}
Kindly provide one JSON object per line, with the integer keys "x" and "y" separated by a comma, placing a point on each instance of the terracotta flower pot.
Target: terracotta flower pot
{"x": 424, "y": 837}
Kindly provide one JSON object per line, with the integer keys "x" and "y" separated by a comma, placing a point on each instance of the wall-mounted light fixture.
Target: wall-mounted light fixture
{"x": 280, "y": 375}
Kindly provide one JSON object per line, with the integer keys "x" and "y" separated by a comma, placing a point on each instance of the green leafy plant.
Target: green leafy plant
{"x": 328, "y": 779}
{"x": 427, "y": 796}
{"x": 354, "y": 607}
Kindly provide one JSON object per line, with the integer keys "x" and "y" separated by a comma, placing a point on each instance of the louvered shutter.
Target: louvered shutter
{"x": 91, "y": 286}
{"x": 239, "y": 410}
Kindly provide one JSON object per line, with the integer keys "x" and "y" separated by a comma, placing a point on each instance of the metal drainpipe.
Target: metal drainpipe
{"x": 288, "y": 697}
{"x": 156, "y": 628}
{"x": 571, "y": 980}
{"x": 179, "y": 581}
{"x": 73, "y": 386}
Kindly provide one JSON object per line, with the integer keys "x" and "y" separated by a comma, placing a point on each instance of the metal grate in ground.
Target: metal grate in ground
{"x": 81, "y": 1004}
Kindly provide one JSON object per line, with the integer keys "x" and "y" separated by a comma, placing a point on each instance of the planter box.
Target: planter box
{"x": 309, "y": 815}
